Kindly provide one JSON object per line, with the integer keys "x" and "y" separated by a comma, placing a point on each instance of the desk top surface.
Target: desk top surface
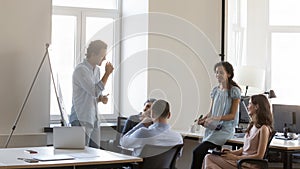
{"x": 87, "y": 156}
{"x": 287, "y": 145}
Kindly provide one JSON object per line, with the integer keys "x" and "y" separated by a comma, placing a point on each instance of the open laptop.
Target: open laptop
{"x": 69, "y": 137}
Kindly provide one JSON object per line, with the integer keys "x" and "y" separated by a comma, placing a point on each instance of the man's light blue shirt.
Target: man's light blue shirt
{"x": 87, "y": 87}
{"x": 156, "y": 134}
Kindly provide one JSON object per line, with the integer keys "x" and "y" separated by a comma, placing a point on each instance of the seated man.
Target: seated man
{"x": 159, "y": 133}
{"x": 135, "y": 119}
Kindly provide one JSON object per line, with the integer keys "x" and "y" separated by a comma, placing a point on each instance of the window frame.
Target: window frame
{"x": 237, "y": 30}
{"x": 270, "y": 30}
{"x": 81, "y": 14}
{"x": 240, "y": 59}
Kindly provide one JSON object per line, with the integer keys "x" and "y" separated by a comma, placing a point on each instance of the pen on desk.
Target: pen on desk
{"x": 31, "y": 151}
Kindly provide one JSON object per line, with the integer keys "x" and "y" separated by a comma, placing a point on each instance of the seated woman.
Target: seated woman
{"x": 255, "y": 140}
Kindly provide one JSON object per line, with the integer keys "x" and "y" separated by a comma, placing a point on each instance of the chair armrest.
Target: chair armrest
{"x": 263, "y": 163}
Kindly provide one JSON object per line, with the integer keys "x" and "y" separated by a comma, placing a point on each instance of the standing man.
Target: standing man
{"x": 87, "y": 91}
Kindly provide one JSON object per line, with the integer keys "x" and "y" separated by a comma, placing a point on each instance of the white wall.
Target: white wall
{"x": 184, "y": 43}
{"x": 170, "y": 54}
{"x": 25, "y": 29}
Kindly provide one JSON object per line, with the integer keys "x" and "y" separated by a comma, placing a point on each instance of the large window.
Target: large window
{"x": 267, "y": 33}
{"x": 237, "y": 36}
{"x": 74, "y": 25}
{"x": 98, "y": 4}
{"x": 285, "y": 62}
{"x": 284, "y": 29}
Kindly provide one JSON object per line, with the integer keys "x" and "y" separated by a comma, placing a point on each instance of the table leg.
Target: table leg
{"x": 287, "y": 160}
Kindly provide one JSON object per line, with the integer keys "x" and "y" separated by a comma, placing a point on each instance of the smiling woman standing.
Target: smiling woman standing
{"x": 222, "y": 118}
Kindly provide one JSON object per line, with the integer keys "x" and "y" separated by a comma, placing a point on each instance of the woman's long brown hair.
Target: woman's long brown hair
{"x": 263, "y": 113}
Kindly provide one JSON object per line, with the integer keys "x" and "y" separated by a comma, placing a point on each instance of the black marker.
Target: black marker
{"x": 199, "y": 118}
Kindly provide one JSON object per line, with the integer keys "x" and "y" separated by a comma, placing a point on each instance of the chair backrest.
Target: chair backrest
{"x": 160, "y": 157}
{"x": 120, "y": 123}
{"x": 272, "y": 134}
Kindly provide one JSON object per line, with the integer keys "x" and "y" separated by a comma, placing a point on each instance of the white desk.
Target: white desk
{"x": 286, "y": 147}
{"x": 86, "y": 157}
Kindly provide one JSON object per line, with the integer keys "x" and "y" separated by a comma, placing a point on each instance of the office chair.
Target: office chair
{"x": 120, "y": 123}
{"x": 263, "y": 163}
{"x": 114, "y": 145}
{"x": 159, "y": 157}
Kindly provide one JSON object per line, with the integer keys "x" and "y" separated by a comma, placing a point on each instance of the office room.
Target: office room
{"x": 159, "y": 49}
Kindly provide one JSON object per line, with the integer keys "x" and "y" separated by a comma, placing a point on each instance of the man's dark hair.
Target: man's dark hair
{"x": 160, "y": 108}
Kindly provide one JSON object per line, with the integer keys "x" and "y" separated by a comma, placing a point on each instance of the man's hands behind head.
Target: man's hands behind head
{"x": 146, "y": 118}
{"x": 147, "y": 121}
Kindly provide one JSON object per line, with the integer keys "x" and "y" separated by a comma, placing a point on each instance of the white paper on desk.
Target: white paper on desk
{"x": 83, "y": 155}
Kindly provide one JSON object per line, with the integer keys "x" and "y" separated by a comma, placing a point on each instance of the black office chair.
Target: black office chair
{"x": 263, "y": 163}
{"x": 159, "y": 157}
{"x": 120, "y": 123}
{"x": 113, "y": 145}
